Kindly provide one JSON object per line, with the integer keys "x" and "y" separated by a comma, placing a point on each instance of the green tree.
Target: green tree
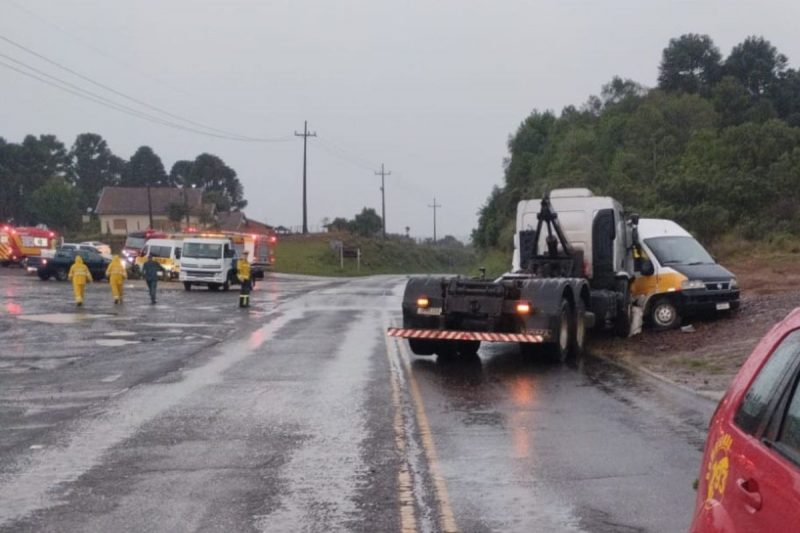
{"x": 690, "y": 63}
{"x": 756, "y": 64}
{"x": 94, "y": 167}
{"x": 56, "y": 203}
{"x": 218, "y": 180}
{"x": 731, "y": 100}
{"x": 144, "y": 168}
{"x": 367, "y": 223}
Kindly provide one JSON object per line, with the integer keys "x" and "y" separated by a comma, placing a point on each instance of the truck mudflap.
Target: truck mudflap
{"x": 452, "y": 335}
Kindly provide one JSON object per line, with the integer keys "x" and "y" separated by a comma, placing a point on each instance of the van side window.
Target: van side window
{"x": 754, "y": 407}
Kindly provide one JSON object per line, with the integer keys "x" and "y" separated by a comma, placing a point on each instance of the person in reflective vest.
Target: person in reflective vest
{"x": 243, "y": 273}
{"x": 79, "y": 275}
{"x": 116, "y": 275}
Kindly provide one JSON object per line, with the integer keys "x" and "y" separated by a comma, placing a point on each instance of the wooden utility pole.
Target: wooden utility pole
{"x": 383, "y": 173}
{"x": 435, "y": 206}
{"x": 305, "y": 135}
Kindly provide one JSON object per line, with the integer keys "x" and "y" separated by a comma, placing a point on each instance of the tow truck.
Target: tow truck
{"x": 557, "y": 289}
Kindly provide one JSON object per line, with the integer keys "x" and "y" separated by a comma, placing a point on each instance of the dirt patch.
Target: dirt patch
{"x": 707, "y": 358}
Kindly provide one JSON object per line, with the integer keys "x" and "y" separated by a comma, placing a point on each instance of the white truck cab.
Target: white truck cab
{"x": 207, "y": 261}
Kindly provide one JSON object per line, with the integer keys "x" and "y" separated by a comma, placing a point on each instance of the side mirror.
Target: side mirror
{"x": 646, "y": 267}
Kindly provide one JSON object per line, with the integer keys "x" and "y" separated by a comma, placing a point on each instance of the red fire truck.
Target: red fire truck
{"x": 17, "y": 243}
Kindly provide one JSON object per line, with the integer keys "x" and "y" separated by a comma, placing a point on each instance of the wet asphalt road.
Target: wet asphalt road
{"x": 300, "y": 415}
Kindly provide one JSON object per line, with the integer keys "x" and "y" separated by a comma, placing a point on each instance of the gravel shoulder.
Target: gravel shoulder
{"x": 707, "y": 358}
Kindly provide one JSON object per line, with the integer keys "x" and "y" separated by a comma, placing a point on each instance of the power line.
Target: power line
{"x": 305, "y": 135}
{"x": 435, "y": 206}
{"x": 383, "y": 173}
{"x": 71, "y": 88}
{"x": 220, "y": 133}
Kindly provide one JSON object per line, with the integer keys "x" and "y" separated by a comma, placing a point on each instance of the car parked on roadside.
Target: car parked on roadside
{"x": 58, "y": 266}
{"x": 102, "y": 248}
{"x": 750, "y": 475}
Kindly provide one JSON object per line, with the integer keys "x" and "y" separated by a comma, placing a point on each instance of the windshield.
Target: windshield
{"x": 679, "y": 251}
{"x": 160, "y": 251}
{"x": 135, "y": 242}
{"x": 202, "y": 250}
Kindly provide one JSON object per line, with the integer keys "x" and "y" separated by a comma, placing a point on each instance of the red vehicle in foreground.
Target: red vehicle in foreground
{"x": 750, "y": 475}
{"x": 17, "y": 243}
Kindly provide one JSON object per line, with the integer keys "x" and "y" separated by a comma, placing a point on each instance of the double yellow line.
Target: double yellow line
{"x": 399, "y": 361}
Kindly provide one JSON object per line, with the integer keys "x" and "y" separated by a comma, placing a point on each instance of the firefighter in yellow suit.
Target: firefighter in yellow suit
{"x": 80, "y": 276}
{"x": 116, "y": 275}
{"x": 243, "y": 273}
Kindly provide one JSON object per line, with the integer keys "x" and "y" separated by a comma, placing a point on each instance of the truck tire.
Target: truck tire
{"x": 664, "y": 314}
{"x": 468, "y": 348}
{"x": 187, "y": 286}
{"x": 577, "y": 343}
{"x": 558, "y": 351}
{"x": 446, "y": 350}
{"x": 422, "y": 347}
{"x": 623, "y": 321}
{"x": 61, "y": 274}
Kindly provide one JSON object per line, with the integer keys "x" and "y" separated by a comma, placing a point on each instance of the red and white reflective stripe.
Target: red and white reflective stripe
{"x": 463, "y": 335}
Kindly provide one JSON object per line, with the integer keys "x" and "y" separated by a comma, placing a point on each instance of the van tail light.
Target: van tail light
{"x": 423, "y": 302}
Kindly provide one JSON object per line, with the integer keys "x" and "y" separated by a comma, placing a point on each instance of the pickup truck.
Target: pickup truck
{"x": 58, "y": 266}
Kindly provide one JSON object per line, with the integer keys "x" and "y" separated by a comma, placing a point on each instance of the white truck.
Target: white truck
{"x": 577, "y": 263}
{"x": 208, "y": 261}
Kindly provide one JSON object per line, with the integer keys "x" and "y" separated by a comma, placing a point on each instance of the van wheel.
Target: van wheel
{"x": 664, "y": 314}
{"x": 577, "y": 343}
{"x": 187, "y": 286}
{"x": 558, "y": 351}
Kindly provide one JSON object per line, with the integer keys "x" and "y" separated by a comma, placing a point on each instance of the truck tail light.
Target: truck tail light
{"x": 523, "y": 308}
{"x": 423, "y": 302}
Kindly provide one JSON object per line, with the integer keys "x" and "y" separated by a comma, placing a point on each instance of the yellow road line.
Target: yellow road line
{"x": 442, "y": 499}
{"x": 408, "y": 519}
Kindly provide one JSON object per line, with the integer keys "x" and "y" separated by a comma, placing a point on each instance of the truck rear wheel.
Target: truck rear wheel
{"x": 468, "y": 348}
{"x": 558, "y": 351}
{"x": 421, "y": 347}
{"x": 577, "y": 343}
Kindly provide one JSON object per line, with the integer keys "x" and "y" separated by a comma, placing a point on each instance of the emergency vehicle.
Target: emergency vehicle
{"x": 17, "y": 243}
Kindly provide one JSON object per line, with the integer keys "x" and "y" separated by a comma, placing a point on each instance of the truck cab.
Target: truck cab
{"x": 207, "y": 261}
{"x": 686, "y": 280}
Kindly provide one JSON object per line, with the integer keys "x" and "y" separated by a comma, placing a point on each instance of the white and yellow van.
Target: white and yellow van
{"x": 165, "y": 252}
{"x": 678, "y": 277}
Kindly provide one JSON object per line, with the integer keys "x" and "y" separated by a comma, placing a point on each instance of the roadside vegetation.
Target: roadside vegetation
{"x": 318, "y": 255}
{"x": 715, "y": 146}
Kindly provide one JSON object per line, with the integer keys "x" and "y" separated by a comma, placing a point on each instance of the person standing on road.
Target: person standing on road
{"x": 150, "y": 271}
{"x": 116, "y": 275}
{"x": 79, "y": 275}
{"x": 243, "y": 273}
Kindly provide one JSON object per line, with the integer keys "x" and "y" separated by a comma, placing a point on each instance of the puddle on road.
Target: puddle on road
{"x": 61, "y": 318}
{"x": 114, "y": 342}
{"x": 120, "y": 334}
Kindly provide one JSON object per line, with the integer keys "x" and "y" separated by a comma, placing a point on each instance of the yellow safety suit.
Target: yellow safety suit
{"x": 80, "y": 276}
{"x": 116, "y": 275}
{"x": 243, "y": 273}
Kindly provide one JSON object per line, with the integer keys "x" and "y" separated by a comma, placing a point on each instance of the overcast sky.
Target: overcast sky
{"x": 430, "y": 88}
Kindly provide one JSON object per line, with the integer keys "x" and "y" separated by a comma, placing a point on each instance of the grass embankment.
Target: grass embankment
{"x": 315, "y": 255}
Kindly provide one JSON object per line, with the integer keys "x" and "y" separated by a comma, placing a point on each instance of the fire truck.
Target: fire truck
{"x": 17, "y": 243}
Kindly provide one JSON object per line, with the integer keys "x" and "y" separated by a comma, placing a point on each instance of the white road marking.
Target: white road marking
{"x": 112, "y": 378}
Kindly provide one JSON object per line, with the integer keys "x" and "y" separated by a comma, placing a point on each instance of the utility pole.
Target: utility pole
{"x": 383, "y": 173}
{"x": 305, "y": 135}
{"x": 149, "y": 203}
{"x": 435, "y": 206}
